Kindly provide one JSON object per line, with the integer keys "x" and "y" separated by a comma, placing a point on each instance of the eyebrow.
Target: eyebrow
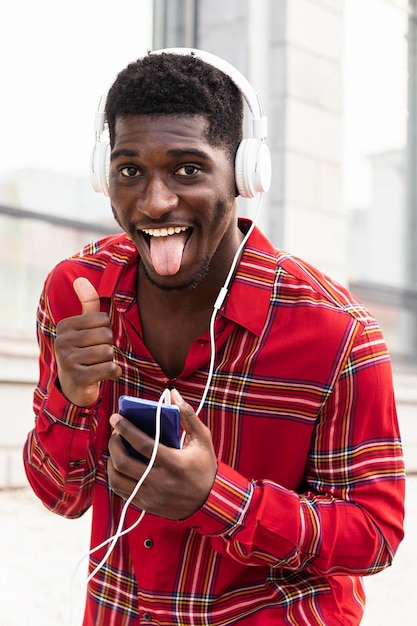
{"x": 123, "y": 153}
{"x": 192, "y": 151}
{"x": 177, "y": 152}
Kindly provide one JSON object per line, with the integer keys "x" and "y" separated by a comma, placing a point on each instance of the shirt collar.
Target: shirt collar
{"x": 250, "y": 294}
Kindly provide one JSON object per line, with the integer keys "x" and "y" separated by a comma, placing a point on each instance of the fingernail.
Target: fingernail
{"x": 175, "y": 395}
{"x": 114, "y": 419}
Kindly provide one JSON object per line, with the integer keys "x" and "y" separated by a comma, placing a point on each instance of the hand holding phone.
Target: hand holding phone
{"x": 181, "y": 482}
{"x": 142, "y": 413}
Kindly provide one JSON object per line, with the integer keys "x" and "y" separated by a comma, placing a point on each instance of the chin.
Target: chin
{"x": 175, "y": 283}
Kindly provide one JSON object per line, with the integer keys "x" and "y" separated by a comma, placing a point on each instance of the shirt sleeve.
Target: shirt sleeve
{"x": 348, "y": 517}
{"x": 59, "y": 455}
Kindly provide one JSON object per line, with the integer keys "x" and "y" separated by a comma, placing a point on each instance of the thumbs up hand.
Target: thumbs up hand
{"x": 84, "y": 348}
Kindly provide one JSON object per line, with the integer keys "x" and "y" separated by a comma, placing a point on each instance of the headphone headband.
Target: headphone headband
{"x": 252, "y": 166}
{"x": 252, "y": 98}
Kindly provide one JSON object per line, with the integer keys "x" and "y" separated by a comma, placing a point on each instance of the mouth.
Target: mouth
{"x": 166, "y": 246}
{"x": 164, "y": 232}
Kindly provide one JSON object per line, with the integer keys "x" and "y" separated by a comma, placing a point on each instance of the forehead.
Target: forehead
{"x": 164, "y": 128}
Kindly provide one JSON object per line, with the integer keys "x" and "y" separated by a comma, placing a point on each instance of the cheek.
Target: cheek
{"x": 122, "y": 206}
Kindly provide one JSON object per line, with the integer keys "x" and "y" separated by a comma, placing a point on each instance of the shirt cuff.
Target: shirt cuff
{"x": 226, "y": 506}
{"x": 59, "y": 409}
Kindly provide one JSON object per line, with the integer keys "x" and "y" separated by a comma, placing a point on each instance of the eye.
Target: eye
{"x": 187, "y": 170}
{"x": 129, "y": 171}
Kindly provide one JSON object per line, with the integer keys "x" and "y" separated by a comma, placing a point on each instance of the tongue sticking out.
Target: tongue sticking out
{"x": 166, "y": 253}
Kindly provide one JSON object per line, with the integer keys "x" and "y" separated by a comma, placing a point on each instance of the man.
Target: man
{"x": 289, "y": 486}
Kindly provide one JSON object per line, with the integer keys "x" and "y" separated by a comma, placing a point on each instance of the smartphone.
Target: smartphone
{"x": 142, "y": 413}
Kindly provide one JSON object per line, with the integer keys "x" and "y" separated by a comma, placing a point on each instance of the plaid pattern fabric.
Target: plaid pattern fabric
{"x": 309, "y": 492}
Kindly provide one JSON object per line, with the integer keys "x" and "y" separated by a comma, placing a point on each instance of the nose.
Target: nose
{"x": 158, "y": 198}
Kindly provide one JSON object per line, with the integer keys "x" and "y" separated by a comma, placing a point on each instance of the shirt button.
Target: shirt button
{"x": 148, "y": 543}
{"x": 147, "y": 617}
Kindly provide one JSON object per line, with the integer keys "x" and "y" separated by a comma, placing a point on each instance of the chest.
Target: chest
{"x": 169, "y": 337}
{"x": 169, "y": 346}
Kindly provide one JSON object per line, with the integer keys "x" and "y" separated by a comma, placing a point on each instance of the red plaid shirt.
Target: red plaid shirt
{"x": 309, "y": 492}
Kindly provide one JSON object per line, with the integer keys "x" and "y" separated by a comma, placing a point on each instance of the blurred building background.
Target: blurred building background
{"x": 338, "y": 79}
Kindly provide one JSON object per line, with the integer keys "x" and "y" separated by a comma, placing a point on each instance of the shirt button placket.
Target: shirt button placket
{"x": 148, "y": 544}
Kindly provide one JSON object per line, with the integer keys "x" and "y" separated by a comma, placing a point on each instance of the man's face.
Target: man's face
{"x": 174, "y": 194}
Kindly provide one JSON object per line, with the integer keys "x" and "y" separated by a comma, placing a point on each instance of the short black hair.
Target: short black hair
{"x": 169, "y": 84}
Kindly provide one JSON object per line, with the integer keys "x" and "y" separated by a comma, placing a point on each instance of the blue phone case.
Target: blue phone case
{"x": 142, "y": 413}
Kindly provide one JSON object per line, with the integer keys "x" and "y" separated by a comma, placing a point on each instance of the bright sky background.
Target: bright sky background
{"x": 56, "y": 59}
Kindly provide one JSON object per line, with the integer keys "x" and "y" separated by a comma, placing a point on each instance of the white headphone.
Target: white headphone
{"x": 253, "y": 160}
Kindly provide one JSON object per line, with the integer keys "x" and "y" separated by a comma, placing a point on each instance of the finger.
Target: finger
{"x": 191, "y": 423}
{"x": 140, "y": 441}
{"x": 117, "y": 464}
{"x": 122, "y": 459}
{"x": 90, "y": 303}
{"x": 87, "y": 295}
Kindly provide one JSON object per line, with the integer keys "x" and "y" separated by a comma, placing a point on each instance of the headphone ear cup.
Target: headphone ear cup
{"x": 252, "y": 167}
{"x": 100, "y": 167}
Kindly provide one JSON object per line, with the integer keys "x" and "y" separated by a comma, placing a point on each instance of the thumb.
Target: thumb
{"x": 87, "y": 295}
{"x": 191, "y": 423}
